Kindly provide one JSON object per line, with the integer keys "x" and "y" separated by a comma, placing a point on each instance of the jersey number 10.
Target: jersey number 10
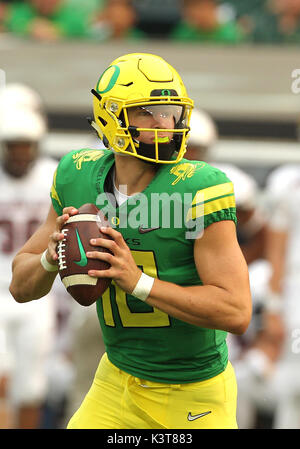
{"x": 146, "y": 261}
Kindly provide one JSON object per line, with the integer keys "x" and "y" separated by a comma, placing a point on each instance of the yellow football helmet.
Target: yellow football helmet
{"x": 148, "y": 84}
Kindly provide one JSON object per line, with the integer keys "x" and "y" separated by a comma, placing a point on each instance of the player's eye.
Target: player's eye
{"x": 143, "y": 112}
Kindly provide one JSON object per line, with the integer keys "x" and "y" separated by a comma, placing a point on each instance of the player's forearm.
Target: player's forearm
{"x": 30, "y": 280}
{"x": 276, "y": 250}
{"x": 205, "y": 306}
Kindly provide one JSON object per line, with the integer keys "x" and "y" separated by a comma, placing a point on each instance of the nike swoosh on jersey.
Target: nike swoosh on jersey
{"x": 193, "y": 417}
{"x": 145, "y": 230}
{"x": 83, "y": 259}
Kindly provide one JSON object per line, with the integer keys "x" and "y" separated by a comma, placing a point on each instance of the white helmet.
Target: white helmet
{"x": 245, "y": 186}
{"x": 17, "y": 96}
{"x": 203, "y": 131}
{"x": 21, "y": 125}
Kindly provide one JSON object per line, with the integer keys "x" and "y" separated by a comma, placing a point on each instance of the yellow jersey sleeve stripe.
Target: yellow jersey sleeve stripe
{"x": 202, "y": 209}
{"x": 222, "y": 203}
{"x": 53, "y": 191}
{"x": 213, "y": 192}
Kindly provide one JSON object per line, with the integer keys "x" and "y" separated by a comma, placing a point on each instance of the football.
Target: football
{"x": 72, "y": 261}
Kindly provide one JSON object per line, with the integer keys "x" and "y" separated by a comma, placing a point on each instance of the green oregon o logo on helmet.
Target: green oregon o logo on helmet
{"x": 112, "y": 80}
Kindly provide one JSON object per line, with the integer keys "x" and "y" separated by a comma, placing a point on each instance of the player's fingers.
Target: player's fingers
{"x": 52, "y": 249}
{"x": 70, "y": 210}
{"x": 115, "y": 235}
{"x": 60, "y": 221}
{"x": 109, "y": 273}
{"x": 57, "y": 236}
{"x": 106, "y": 243}
{"x": 51, "y": 255}
{"x": 107, "y": 257}
{"x": 53, "y": 240}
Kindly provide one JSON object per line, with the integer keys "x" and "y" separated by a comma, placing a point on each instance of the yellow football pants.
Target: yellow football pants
{"x": 117, "y": 400}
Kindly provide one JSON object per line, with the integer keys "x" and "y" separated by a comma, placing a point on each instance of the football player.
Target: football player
{"x": 283, "y": 194}
{"x": 25, "y": 333}
{"x": 180, "y": 281}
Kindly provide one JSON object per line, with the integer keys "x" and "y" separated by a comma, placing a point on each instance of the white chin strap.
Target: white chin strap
{"x": 97, "y": 128}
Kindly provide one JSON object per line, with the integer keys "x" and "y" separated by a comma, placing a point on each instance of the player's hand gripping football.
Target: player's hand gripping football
{"x": 57, "y": 235}
{"x": 123, "y": 268}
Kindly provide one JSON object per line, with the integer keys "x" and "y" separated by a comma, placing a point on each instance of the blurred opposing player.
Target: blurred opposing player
{"x": 20, "y": 96}
{"x": 25, "y": 332}
{"x": 202, "y": 137}
{"x": 251, "y": 221}
{"x": 283, "y": 194}
{"x": 256, "y": 353}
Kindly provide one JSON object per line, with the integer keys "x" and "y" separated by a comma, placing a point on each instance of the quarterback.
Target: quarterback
{"x": 174, "y": 294}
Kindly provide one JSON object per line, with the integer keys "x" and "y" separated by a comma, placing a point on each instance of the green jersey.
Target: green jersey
{"x": 159, "y": 225}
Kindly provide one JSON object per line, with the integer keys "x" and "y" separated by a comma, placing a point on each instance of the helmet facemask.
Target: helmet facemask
{"x": 157, "y": 130}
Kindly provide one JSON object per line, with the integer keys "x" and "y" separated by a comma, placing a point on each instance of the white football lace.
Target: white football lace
{"x": 62, "y": 265}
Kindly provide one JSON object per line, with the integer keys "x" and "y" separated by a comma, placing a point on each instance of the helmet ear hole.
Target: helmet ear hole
{"x": 122, "y": 119}
{"x": 104, "y": 122}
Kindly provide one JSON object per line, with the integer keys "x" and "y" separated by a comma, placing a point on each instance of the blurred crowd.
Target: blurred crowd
{"x": 208, "y": 21}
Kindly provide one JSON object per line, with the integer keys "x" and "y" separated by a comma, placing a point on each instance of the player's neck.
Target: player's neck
{"x": 133, "y": 173}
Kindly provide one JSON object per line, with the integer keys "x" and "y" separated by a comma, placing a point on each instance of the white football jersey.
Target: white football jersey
{"x": 24, "y": 204}
{"x": 26, "y": 330}
{"x": 281, "y": 179}
{"x": 283, "y": 191}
